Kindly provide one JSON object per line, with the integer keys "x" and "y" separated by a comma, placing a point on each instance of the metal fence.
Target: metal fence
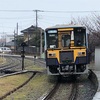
{"x": 28, "y": 50}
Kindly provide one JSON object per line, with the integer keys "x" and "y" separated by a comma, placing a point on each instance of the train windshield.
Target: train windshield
{"x": 52, "y": 39}
{"x": 66, "y": 38}
{"x": 80, "y": 37}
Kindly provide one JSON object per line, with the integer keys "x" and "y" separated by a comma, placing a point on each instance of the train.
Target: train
{"x": 66, "y": 50}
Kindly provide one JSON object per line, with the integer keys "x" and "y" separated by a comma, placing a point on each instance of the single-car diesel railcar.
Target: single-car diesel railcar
{"x": 66, "y": 50}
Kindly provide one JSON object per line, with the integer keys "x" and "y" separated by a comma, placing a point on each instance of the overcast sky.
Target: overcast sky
{"x": 25, "y": 16}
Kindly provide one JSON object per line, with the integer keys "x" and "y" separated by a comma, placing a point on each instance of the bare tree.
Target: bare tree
{"x": 92, "y": 24}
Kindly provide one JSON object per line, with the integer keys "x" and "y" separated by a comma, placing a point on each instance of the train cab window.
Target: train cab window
{"x": 80, "y": 37}
{"x": 52, "y": 40}
{"x": 66, "y": 40}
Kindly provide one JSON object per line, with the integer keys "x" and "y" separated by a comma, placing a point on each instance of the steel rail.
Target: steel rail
{"x": 15, "y": 89}
{"x": 73, "y": 91}
{"x": 50, "y": 93}
{"x": 14, "y": 62}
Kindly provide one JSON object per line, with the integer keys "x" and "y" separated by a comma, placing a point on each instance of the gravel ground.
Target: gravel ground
{"x": 63, "y": 92}
{"x": 86, "y": 89}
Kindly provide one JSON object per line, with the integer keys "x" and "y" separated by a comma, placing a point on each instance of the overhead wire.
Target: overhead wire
{"x": 73, "y": 11}
{"x": 42, "y": 11}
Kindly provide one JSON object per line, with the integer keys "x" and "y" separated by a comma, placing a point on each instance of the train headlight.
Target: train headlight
{"x": 81, "y": 53}
{"x": 52, "y": 54}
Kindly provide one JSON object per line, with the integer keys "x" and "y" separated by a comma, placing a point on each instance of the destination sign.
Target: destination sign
{"x": 52, "y": 31}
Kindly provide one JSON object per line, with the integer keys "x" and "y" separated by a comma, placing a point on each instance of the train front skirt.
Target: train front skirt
{"x": 67, "y": 70}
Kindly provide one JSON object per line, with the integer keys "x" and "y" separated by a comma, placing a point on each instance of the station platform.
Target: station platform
{"x": 97, "y": 95}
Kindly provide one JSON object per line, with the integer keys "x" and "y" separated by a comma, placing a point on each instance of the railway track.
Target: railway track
{"x": 11, "y": 65}
{"x": 47, "y": 96}
{"x": 7, "y": 61}
{"x": 73, "y": 94}
{"x": 80, "y": 89}
{"x": 39, "y": 61}
{"x": 14, "y": 64}
{"x": 20, "y": 86}
{"x": 61, "y": 90}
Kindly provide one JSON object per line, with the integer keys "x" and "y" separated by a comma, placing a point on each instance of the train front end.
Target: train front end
{"x": 66, "y": 50}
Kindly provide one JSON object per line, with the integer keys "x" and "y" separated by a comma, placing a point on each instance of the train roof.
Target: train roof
{"x": 65, "y": 26}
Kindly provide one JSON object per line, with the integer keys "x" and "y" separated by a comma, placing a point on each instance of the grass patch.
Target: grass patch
{"x": 33, "y": 90}
{"x": 35, "y": 67}
{"x": 29, "y": 65}
{"x": 11, "y": 82}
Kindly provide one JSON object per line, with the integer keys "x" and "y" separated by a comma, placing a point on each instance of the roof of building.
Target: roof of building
{"x": 30, "y": 29}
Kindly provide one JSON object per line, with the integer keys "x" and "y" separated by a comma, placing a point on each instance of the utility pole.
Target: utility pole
{"x": 36, "y": 18}
{"x": 41, "y": 46}
{"x": 36, "y": 11}
{"x": 37, "y": 30}
{"x": 16, "y": 36}
{"x": 17, "y": 29}
{"x": 14, "y": 42}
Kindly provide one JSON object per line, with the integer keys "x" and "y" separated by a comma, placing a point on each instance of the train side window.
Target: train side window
{"x": 52, "y": 40}
{"x": 79, "y": 37}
